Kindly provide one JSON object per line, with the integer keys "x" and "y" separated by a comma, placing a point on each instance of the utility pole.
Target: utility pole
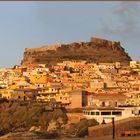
{"x": 113, "y": 128}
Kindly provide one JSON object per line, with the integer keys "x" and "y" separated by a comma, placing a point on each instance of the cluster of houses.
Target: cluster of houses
{"x": 74, "y": 84}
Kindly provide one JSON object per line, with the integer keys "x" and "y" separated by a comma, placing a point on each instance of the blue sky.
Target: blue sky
{"x": 33, "y": 24}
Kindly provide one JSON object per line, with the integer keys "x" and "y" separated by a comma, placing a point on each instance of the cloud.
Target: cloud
{"x": 124, "y": 21}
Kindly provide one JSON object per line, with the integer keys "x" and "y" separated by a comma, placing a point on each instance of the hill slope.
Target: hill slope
{"x": 96, "y": 50}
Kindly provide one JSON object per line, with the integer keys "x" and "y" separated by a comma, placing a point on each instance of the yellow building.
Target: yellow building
{"x": 70, "y": 99}
{"x": 81, "y": 77}
{"x": 48, "y": 94}
{"x": 39, "y": 78}
{"x": 137, "y": 70}
{"x": 53, "y": 94}
{"x": 6, "y": 93}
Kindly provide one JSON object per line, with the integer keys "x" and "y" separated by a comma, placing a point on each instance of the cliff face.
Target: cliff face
{"x": 14, "y": 116}
{"x": 96, "y": 50}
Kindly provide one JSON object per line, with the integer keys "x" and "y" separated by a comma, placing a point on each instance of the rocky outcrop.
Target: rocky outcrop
{"x": 96, "y": 50}
{"x": 29, "y": 116}
{"x": 34, "y": 121}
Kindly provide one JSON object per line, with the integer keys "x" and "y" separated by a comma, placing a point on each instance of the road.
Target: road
{"x": 87, "y": 138}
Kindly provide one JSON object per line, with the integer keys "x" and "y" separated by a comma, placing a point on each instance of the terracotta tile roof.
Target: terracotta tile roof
{"x": 103, "y": 108}
{"x": 136, "y": 85}
{"x": 25, "y": 89}
{"x": 109, "y": 95}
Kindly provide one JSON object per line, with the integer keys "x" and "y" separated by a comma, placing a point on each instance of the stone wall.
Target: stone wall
{"x": 96, "y": 50}
{"x": 122, "y": 125}
{"x": 74, "y": 117}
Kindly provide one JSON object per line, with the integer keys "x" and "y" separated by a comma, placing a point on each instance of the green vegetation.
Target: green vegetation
{"x": 81, "y": 129}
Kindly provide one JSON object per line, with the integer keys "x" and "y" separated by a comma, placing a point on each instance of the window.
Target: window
{"x": 88, "y": 113}
{"x": 116, "y": 104}
{"x": 117, "y": 113}
{"x": 24, "y": 98}
{"x": 97, "y": 113}
{"x": 105, "y": 113}
{"x": 103, "y": 103}
{"x": 92, "y": 113}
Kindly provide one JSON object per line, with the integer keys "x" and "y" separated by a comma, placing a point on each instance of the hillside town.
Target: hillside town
{"x": 105, "y": 87}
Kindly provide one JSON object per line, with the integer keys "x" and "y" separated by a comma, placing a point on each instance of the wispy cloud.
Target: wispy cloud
{"x": 125, "y": 22}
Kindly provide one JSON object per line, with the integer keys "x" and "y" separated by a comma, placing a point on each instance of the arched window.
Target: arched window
{"x": 103, "y": 103}
{"x": 116, "y": 104}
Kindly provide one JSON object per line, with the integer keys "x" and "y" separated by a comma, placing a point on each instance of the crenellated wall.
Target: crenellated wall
{"x": 96, "y": 50}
